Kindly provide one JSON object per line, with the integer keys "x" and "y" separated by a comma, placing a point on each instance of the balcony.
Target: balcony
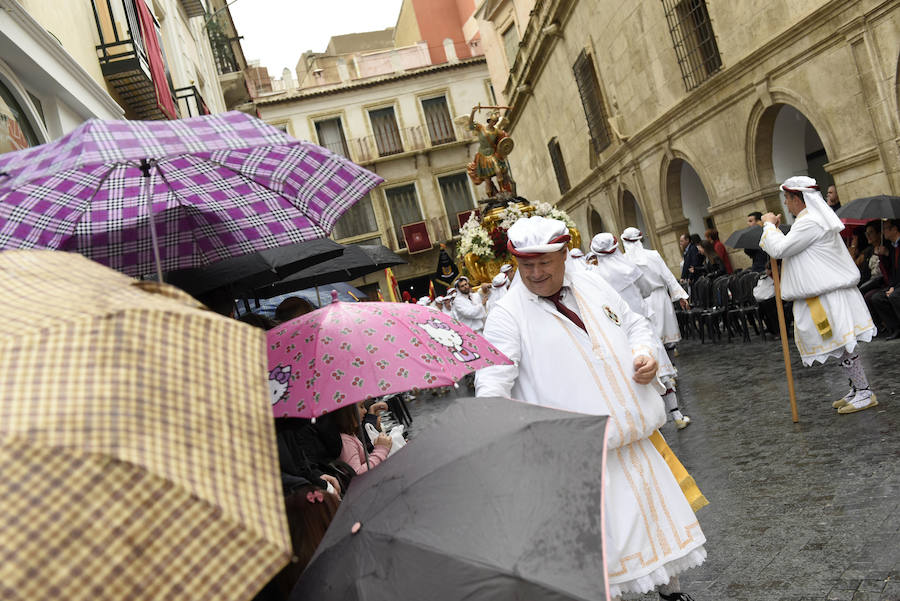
{"x": 123, "y": 57}
{"x": 190, "y": 102}
{"x": 193, "y": 8}
{"x": 229, "y": 59}
{"x": 412, "y": 139}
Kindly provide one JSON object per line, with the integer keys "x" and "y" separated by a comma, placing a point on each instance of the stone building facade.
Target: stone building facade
{"x": 678, "y": 115}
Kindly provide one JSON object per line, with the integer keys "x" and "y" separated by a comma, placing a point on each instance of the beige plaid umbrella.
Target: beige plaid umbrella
{"x": 137, "y": 449}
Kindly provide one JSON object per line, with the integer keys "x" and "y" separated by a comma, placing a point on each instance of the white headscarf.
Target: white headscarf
{"x": 537, "y": 235}
{"x": 633, "y": 247}
{"x": 816, "y": 206}
{"x": 500, "y": 280}
{"x": 614, "y": 268}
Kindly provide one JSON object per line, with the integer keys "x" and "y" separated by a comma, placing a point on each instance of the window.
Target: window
{"x": 358, "y": 220}
{"x": 491, "y": 96}
{"x": 16, "y": 131}
{"x": 457, "y": 197}
{"x": 404, "y": 208}
{"x": 559, "y": 167}
{"x": 437, "y": 117}
{"x": 387, "y": 136}
{"x": 694, "y": 40}
{"x": 592, "y": 101}
{"x": 511, "y": 44}
{"x": 331, "y": 136}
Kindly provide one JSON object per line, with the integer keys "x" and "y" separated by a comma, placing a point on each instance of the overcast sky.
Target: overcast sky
{"x": 277, "y": 32}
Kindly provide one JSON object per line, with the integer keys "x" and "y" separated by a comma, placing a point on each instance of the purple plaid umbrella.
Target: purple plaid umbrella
{"x": 219, "y": 186}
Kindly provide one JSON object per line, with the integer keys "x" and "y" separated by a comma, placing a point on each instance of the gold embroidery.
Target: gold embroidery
{"x": 820, "y": 319}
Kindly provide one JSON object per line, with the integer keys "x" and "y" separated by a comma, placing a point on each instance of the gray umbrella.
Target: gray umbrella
{"x": 497, "y": 500}
{"x": 749, "y": 237}
{"x": 355, "y": 262}
{"x": 871, "y": 207}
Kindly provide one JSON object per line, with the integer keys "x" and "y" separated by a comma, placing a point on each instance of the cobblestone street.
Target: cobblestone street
{"x": 798, "y": 512}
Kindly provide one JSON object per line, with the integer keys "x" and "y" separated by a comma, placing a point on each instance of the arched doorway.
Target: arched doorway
{"x": 631, "y": 213}
{"x": 596, "y": 223}
{"x": 788, "y": 145}
{"x": 687, "y": 196}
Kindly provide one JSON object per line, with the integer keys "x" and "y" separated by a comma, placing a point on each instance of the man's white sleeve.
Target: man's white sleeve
{"x": 676, "y": 292}
{"x": 502, "y": 331}
{"x": 779, "y": 245}
{"x": 468, "y": 309}
{"x": 640, "y": 334}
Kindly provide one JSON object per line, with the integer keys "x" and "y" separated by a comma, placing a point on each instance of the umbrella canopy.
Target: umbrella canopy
{"x": 219, "y": 186}
{"x": 317, "y": 297}
{"x": 246, "y": 272}
{"x": 497, "y": 500}
{"x": 749, "y": 237}
{"x": 349, "y": 352}
{"x": 137, "y": 454}
{"x": 871, "y": 207}
{"x": 357, "y": 261}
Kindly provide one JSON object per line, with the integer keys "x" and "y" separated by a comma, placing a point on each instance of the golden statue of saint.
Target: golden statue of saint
{"x": 494, "y": 145}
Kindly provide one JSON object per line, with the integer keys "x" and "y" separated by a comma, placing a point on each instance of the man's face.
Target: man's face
{"x": 683, "y": 242}
{"x": 464, "y": 286}
{"x": 752, "y": 220}
{"x": 831, "y": 196}
{"x": 794, "y": 203}
{"x": 891, "y": 232}
{"x": 543, "y": 275}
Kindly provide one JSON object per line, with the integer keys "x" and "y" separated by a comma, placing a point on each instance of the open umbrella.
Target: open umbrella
{"x": 145, "y": 196}
{"x": 244, "y": 273}
{"x": 497, "y": 500}
{"x": 871, "y": 207}
{"x": 317, "y": 297}
{"x": 348, "y": 352}
{"x": 749, "y": 237}
{"x": 137, "y": 454}
{"x": 357, "y": 261}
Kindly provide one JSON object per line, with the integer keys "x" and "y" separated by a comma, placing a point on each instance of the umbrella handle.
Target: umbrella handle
{"x": 148, "y": 186}
{"x": 776, "y": 279}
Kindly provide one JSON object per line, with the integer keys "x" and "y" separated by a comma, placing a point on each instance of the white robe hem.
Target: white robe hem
{"x": 660, "y": 575}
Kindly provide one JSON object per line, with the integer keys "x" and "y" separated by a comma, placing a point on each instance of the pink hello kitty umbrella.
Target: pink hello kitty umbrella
{"x": 348, "y": 352}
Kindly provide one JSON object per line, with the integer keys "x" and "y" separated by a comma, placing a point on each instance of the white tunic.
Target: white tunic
{"x": 496, "y": 295}
{"x": 469, "y": 310}
{"x": 817, "y": 264}
{"x": 652, "y": 533}
{"x": 664, "y": 290}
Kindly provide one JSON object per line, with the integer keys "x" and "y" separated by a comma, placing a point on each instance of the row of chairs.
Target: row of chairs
{"x": 724, "y": 305}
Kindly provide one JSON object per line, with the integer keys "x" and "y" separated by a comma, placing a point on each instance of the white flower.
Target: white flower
{"x": 475, "y": 239}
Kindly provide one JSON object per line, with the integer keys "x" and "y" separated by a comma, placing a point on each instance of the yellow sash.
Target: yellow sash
{"x": 817, "y": 312}
{"x": 685, "y": 480}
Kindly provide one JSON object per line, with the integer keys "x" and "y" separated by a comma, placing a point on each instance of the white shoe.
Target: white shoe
{"x": 864, "y": 399}
{"x": 682, "y": 423}
{"x": 845, "y": 399}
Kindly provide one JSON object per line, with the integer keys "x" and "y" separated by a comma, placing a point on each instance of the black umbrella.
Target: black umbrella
{"x": 246, "y": 272}
{"x": 357, "y": 261}
{"x": 496, "y": 500}
{"x": 871, "y": 207}
{"x": 749, "y": 237}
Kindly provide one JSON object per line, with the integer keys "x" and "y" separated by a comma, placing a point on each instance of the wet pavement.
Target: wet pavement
{"x": 798, "y": 512}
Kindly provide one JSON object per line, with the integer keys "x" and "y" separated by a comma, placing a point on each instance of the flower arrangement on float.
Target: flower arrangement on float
{"x": 482, "y": 244}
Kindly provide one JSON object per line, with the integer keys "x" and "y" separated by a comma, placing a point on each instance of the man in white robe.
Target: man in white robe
{"x": 577, "y": 346}
{"x": 628, "y": 280}
{"x": 468, "y": 305}
{"x": 818, "y": 274}
{"x": 499, "y": 286}
{"x": 664, "y": 288}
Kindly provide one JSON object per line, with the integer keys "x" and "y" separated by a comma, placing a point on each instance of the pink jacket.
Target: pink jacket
{"x": 353, "y": 454}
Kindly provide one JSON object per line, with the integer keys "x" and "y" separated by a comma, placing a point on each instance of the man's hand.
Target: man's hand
{"x": 772, "y": 218}
{"x": 644, "y": 369}
{"x": 685, "y": 306}
{"x": 890, "y": 291}
{"x": 334, "y": 482}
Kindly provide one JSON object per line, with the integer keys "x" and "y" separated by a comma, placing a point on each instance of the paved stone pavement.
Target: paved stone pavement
{"x": 798, "y": 512}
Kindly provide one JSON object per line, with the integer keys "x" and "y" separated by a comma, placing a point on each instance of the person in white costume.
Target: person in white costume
{"x": 830, "y": 314}
{"x": 499, "y": 285}
{"x": 468, "y": 306}
{"x": 665, "y": 289}
{"x": 627, "y": 279}
{"x": 577, "y": 346}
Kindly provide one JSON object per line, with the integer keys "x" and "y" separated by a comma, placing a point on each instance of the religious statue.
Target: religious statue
{"x": 494, "y": 146}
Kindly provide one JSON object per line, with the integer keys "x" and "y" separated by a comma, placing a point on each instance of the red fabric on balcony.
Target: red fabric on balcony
{"x": 164, "y": 99}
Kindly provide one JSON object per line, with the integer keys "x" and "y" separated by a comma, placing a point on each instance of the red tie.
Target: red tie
{"x": 573, "y": 317}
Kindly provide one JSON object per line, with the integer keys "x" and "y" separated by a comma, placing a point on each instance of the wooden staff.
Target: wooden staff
{"x": 479, "y": 107}
{"x": 776, "y": 278}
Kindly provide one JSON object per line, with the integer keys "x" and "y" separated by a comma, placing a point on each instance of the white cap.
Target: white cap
{"x": 534, "y": 236}
{"x": 500, "y": 280}
{"x": 451, "y": 292}
{"x": 423, "y": 301}
{"x": 576, "y": 253}
{"x": 604, "y": 244}
{"x": 632, "y": 234}
{"x": 439, "y": 299}
{"x": 820, "y": 212}
{"x": 505, "y": 268}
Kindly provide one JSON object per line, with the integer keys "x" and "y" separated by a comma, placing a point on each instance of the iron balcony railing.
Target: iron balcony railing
{"x": 190, "y": 102}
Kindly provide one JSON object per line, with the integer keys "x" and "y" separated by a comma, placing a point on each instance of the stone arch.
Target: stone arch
{"x": 782, "y": 142}
{"x": 596, "y": 222}
{"x": 686, "y": 195}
